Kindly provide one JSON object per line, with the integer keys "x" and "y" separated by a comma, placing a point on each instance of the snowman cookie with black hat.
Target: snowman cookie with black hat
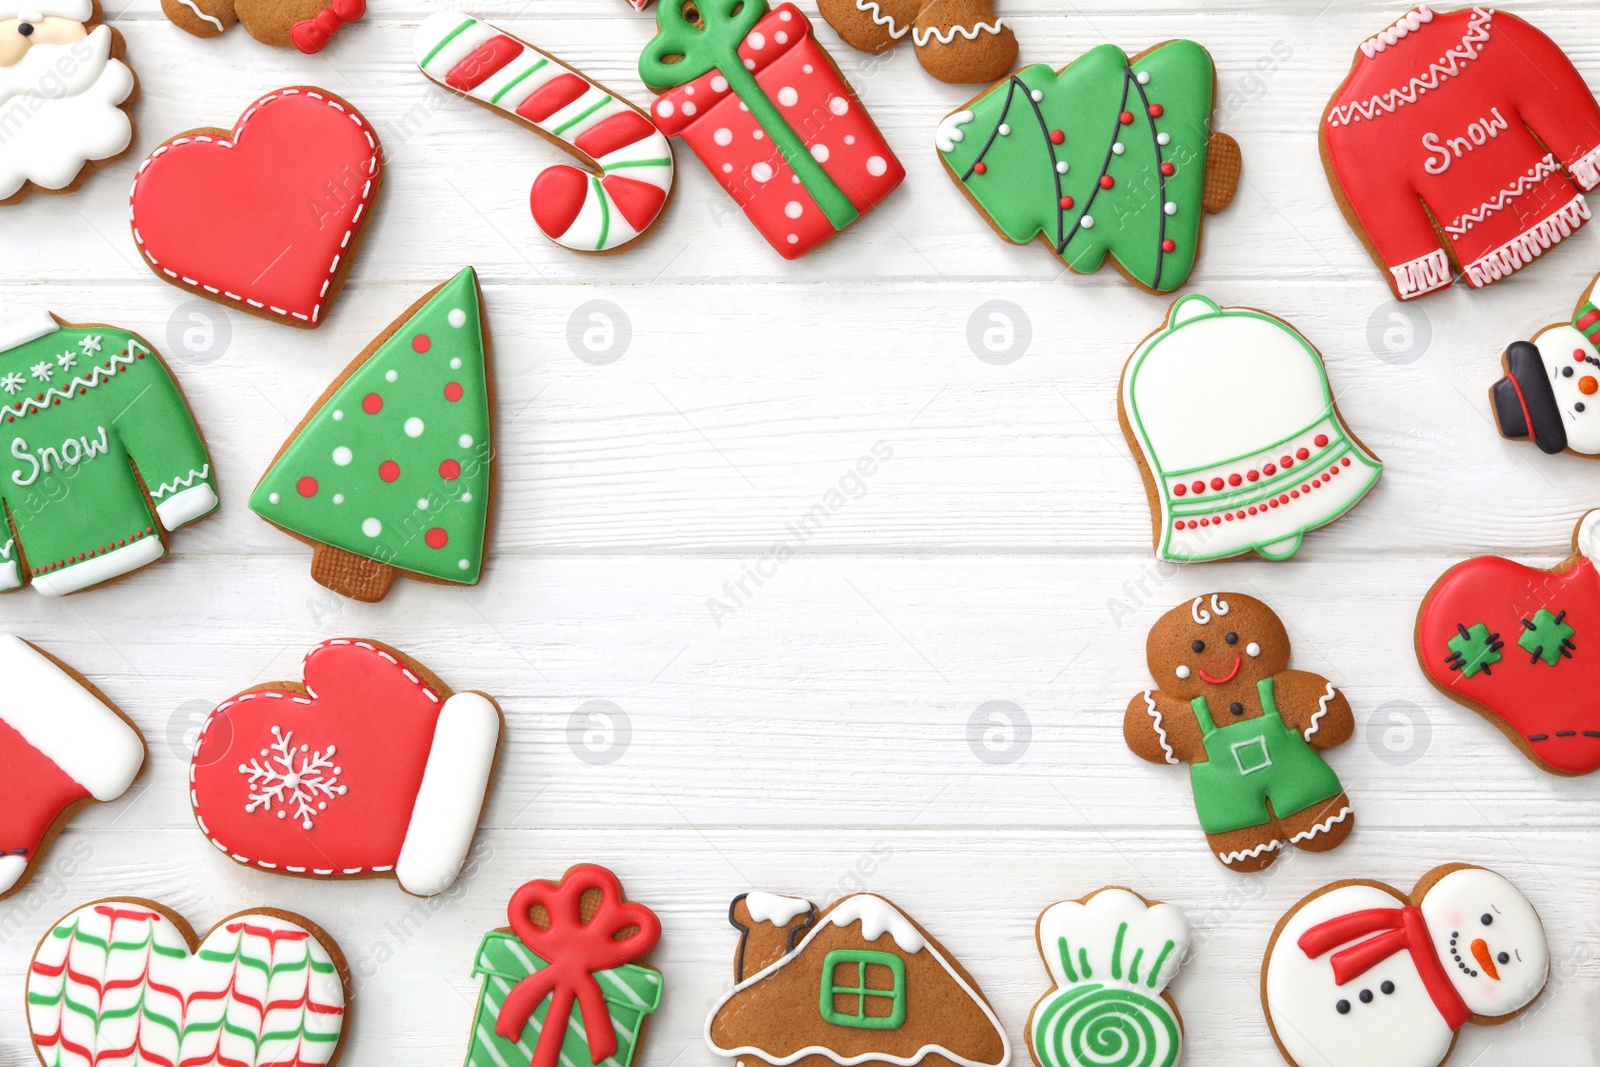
{"x": 1550, "y": 393}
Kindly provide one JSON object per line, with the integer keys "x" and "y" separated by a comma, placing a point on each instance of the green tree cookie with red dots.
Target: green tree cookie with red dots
{"x": 1108, "y": 156}
{"x": 392, "y": 469}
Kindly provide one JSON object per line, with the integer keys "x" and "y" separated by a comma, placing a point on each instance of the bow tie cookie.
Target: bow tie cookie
{"x": 1359, "y": 974}
{"x": 1251, "y": 730}
{"x": 304, "y": 24}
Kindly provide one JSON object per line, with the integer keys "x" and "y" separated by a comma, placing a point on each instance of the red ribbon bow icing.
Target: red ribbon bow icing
{"x": 1393, "y": 929}
{"x": 313, "y": 34}
{"x": 574, "y": 950}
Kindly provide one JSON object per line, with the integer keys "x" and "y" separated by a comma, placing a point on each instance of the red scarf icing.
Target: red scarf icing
{"x": 1393, "y": 929}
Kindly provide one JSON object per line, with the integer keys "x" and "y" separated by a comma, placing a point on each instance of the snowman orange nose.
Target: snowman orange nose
{"x": 1480, "y": 952}
{"x": 1587, "y": 384}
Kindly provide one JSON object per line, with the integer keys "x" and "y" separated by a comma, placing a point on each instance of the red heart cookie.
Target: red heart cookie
{"x": 267, "y": 219}
{"x": 369, "y": 767}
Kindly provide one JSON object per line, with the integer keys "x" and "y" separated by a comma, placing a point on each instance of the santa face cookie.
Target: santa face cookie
{"x": 1111, "y": 956}
{"x": 957, "y": 41}
{"x": 392, "y": 470}
{"x": 1511, "y": 642}
{"x": 1549, "y": 392}
{"x": 100, "y": 457}
{"x": 63, "y": 746}
{"x": 577, "y": 209}
{"x": 368, "y": 767}
{"x": 857, "y": 983}
{"x": 562, "y": 985}
{"x": 1471, "y": 122}
{"x": 1231, "y": 418}
{"x": 64, "y": 96}
{"x": 305, "y": 24}
{"x": 1109, "y": 156}
{"x": 266, "y": 218}
{"x": 1250, "y": 729}
{"x": 126, "y": 980}
{"x": 1359, "y": 974}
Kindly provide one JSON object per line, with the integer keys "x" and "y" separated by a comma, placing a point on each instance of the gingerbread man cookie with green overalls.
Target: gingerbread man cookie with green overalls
{"x": 1251, "y": 730}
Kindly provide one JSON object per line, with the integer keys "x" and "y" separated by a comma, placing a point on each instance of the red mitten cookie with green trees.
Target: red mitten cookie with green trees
{"x": 1108, "y": 156}
{"x": 393, "y": 468}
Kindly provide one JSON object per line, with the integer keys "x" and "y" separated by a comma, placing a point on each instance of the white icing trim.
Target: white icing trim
{"x": 1161, "y": 735}
{"x": 1321, "y": 827}
{"x": 922, "y": 36}
{"x": 97, "y": 374}
{"x": 869, "y": 7}
{"x": 1406, "y": 25}
{"x": 10, "y": 573}
{"x": 1530, "y": 244}
{"x": 949, "y": 134}
{"x": 70, "y": 725}
{"x": 877, "y": 917}
{"x": 1230, "y": 858}
{"x": 181, "y": 483}
{"x": 1589, "y": 535}
{"x": 1531, "y": 180}
{"x": 194, "y": 7}
{"x": 455, "y": 787}
{"x": 775, "y": 909}
{"x": 1422, "y": 275}
{"x": 1201, "y": 615}
{"x": 187, "y": 506}
{"x": 1445, "y": 67}
{"x": 1586, "y": 168}
{"x": 30, "y": 327}
{"x": 882, "y": 912}
{"x": 1322, "y": 709}
{"x": 102, "y": 568}
{"x": 11, "y": 868}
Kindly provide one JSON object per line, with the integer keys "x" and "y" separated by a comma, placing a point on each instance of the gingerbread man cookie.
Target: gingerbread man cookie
{"x": 1251, "y": 730}
{"x": 304, "y": 24}
{"x": 957, "y": 41}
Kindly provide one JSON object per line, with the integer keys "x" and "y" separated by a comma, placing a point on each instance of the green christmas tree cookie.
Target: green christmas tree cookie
{"x": 1108, "y": 156}
{"x": 392, "y": 469}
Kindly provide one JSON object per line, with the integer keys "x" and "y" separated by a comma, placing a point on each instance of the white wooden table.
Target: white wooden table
{"x": 833, "y": 731}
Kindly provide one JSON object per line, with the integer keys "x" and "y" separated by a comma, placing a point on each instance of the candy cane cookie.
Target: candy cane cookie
{"x": 578, "y": 209}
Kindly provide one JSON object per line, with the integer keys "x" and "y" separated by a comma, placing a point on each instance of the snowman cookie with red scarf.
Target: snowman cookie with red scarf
{"x": 1359, "y": 974}
{"x": 1250, "y": 729}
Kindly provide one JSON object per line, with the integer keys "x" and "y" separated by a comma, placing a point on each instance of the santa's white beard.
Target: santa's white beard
{"x": 58, "y": 111}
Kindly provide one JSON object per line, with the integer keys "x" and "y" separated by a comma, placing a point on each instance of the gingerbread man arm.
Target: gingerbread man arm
{"x": 1161, "y": 729}
{"x": 1310, "y": 703}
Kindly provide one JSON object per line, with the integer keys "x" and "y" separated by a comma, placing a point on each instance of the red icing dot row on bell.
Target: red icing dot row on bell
{"x": 1285, "y": 462}
{"x": 1261, "y": 509}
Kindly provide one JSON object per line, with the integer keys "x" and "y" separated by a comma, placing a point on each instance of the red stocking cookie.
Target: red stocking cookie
{"x": 574, "y": 208}
{"x": 1250, "y": 729}
{"x": 267, "y": 218}
{"x": 371, "y": 766}
{"x": 1359, "y": 974}
{"x": 62, "y": 746}
{"x": 1513, "y": 643}
{"x": 1471, "y": 122}
{"x": 64, "y": 96}
{"x": 304, "y": 24}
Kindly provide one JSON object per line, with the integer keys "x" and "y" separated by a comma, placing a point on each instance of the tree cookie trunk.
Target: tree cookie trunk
{"x": 1223, "y": 163}
{"x": 356, "y": 577}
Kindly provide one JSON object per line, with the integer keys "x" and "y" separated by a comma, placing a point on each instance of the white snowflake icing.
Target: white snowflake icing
{"x": 301, "y": 777}
{"x": 90, "y": 344}
{"x": 42, "y": 370}
{"x": 67, "y": 360}
{"x": 13, "y": 382}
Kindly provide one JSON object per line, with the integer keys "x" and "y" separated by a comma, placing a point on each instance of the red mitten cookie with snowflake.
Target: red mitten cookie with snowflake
{"x": 1509, "y": 642}
{"x": 370, "y": 767}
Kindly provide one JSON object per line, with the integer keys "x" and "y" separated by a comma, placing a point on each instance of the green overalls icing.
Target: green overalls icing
{"x": 1252, "y": 761}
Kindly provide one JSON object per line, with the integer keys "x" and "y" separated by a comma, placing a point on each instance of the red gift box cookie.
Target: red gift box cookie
{"x": 768, "y": 113}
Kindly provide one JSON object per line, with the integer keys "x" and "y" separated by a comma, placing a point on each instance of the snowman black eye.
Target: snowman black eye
{"x": 1504, "y": 957}
{"x": 1199, "y": 646}
{"x": 25, "y": 28}
{"x": 1232, "y": 639}
{"x": 1487, "y": 920}
{"x": 1578, "y": 406}
{"x": 1566, "y": 372}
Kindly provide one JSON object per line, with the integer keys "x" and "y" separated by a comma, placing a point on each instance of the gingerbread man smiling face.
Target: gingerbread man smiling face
{"x": 1249, "y": 727}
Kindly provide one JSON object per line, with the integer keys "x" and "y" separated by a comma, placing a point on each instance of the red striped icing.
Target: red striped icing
{"x": 552, "y": 96}
{"x": 618, "y": 131}
{"x": 638, "y": 202}
{"x": 482, "y": 62}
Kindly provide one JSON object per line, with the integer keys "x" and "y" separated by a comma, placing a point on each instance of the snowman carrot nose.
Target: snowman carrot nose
{"x": 1480, "y": 952}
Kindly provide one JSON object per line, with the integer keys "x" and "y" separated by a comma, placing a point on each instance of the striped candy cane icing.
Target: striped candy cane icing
{"x": 576, "y": 209}
{"x": 115, "y": 984}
